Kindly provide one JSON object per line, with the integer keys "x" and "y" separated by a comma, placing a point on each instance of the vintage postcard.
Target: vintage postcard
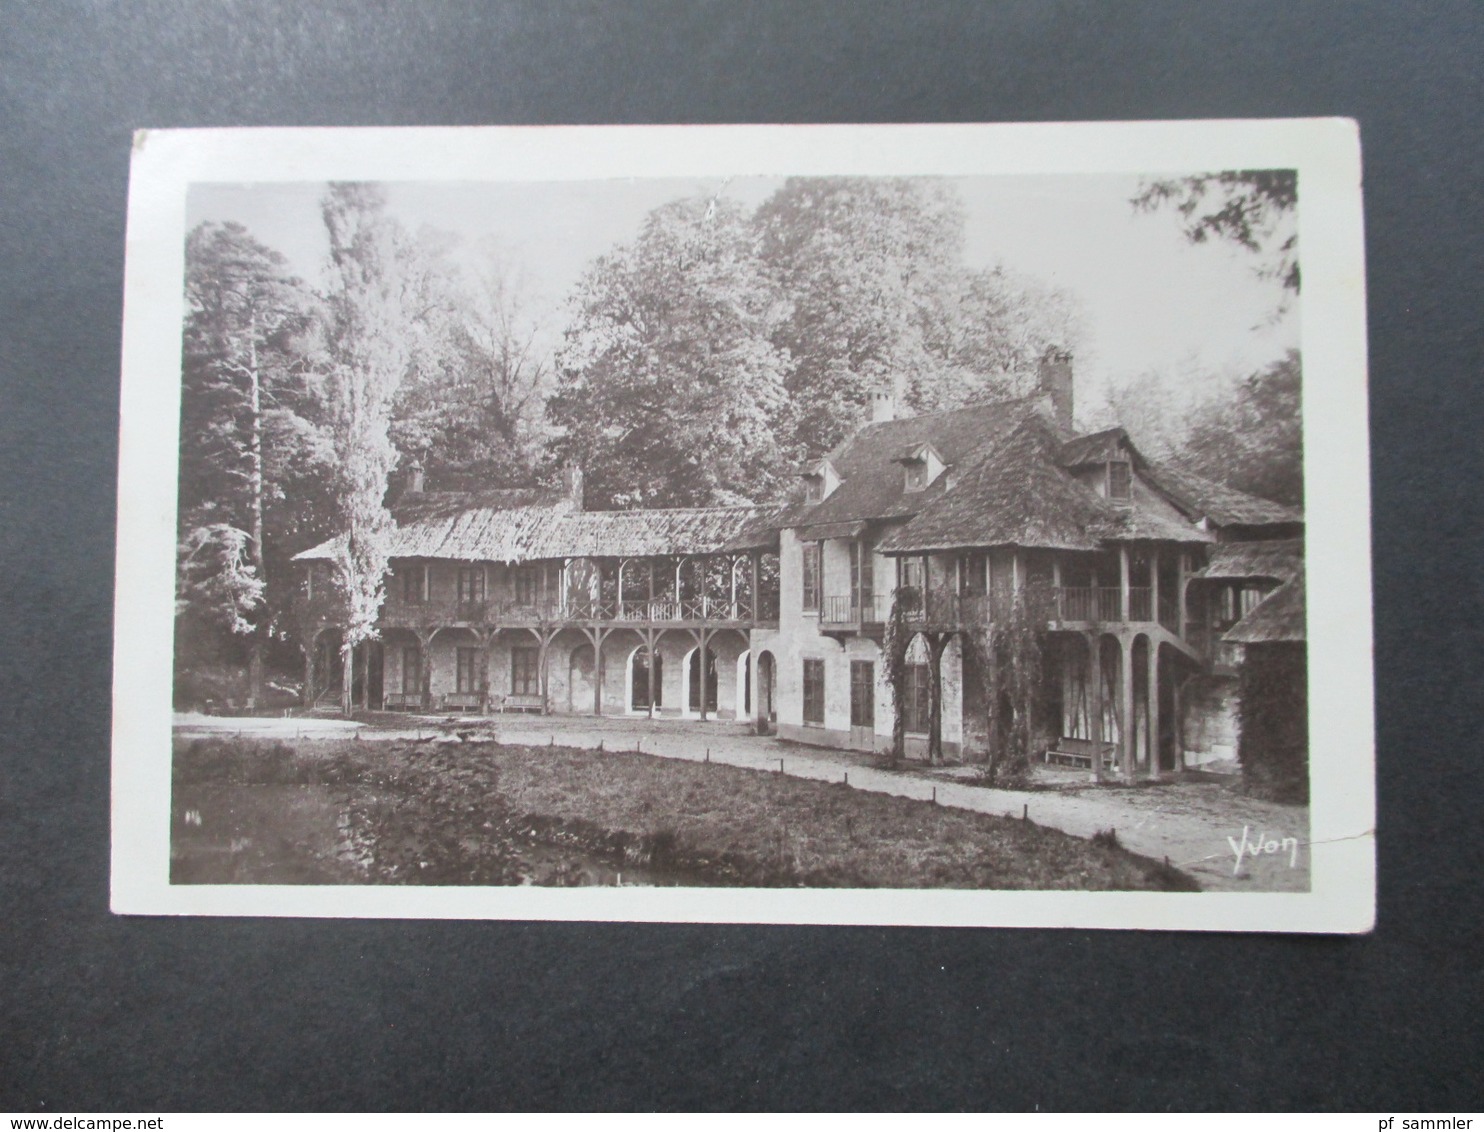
{"x": 838, "y": 524}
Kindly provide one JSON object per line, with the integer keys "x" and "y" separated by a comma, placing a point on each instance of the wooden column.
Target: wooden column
{"x": 1123, "y": 610}
{"x": 1056, "y": 584}
{"x": 1127, "y": 732}
{"x": 486, "y": 646}
{"x": 1153, "y": 712}
{"x": 1180, "y": 580}
{"x": 1154, "y": 585}
{"x": 597, "y": 636}
{"x": 705, "y": 668}
{"x": 543, "y": 654}
{"x": 757, "y": 597}
{"x": 1095, "y": 709}
{"x": 425, "y": 662}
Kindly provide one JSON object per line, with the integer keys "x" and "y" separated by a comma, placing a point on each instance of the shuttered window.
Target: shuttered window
{"x": 915, "y": 706}
{"x": 810, "y": 576}
{"x": 466, "y": 679}
{"x": 862, "y": 694}
{"x": 813, "y": 691}
{"x": 524, "y": 679}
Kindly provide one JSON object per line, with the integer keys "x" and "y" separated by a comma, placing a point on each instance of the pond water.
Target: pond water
{"x": 292, "y": 834}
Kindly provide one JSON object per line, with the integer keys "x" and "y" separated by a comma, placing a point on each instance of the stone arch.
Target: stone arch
{"x": 644, "y": 680}
{"x": 698, "y": 675}
{"x": 767, "y": 683}
{"x": 581, "y": 672}
{"x": 744, "y": 684}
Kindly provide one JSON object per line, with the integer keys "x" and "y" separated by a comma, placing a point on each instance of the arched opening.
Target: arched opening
{"x": 580, "y": 679}
{"x": 700, "y": 678}
{"x": 646, "y": 680}
{"x": 766, "y": 714}
{"x": 1168, "y": 731}
{"x": 1144, "y": 753}
{"x": 744, "y": 685}
{"x": 1110, "y": 661}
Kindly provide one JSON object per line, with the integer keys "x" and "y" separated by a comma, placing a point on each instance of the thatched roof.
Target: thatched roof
{"x": 1279, "y": 559}
{"x": 1278, "y": 617}
{"x": 523, "y": 534}
{"x": 1224, "y": 506}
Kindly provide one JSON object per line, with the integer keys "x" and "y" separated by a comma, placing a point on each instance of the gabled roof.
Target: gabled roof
{"x": 1278, "y": 617}
{"x": 1019, "y": 492}
{"x": 1225, "y": 506}
{"x": 1279, "y": 559}
{"x": 1016, "y": 494}
{"x": 1098, "y": 448}
{"x": 523, "y": 534}
{"x": 873, "y": 487}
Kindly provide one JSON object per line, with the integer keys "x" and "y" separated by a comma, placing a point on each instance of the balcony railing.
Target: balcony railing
{"x": 859, "y": 609}
{"x": 397, "y": 613}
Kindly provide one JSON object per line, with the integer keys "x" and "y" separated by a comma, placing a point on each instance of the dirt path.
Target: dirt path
{"x": 1199, "y": 826}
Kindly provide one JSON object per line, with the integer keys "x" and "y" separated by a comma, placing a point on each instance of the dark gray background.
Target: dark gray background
{"x": 98, "y": 1012}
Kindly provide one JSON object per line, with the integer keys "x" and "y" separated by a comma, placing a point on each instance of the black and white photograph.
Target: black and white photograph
{"x": 799, "y": 524}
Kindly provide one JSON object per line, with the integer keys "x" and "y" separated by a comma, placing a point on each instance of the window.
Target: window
{"x": 467, "y": 675}
{"x": 811, "y": 572}
{"x": 471, "y": 584}
{"x": 412, "y": 582}
{"x": 525, "y": 680}
{"x": 917, "y": 475}
{"x": 862, "y": 570}
{"x": 973, "y": 572}
{"x": 526, "y": 582}
{"x": 814, "y": 691}
{"x": 1120, "y": 480}
{"x": 912, "y": 575}
{"x": 813, "y": 489}
{"x": 862, "y": 694}
{"x": 412, "y": 670}
{"x": 915, "y": 705}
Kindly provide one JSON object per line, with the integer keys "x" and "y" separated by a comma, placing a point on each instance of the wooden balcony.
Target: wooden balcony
{"x": 693, "y": 612}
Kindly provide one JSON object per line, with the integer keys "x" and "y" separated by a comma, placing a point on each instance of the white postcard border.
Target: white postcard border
{"x": 1326, "y": 152}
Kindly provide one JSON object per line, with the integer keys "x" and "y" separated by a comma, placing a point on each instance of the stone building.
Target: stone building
{"x": 931, "y": 529}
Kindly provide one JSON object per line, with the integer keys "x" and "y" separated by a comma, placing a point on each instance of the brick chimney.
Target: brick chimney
{"x": 883, "y": 406}
{"x": 1055, "y": 372}
{"x": 572, "y": 484}
{"x": 414, "y": 478}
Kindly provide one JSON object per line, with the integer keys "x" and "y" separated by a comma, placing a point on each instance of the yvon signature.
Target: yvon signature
{"x": 1262, "y": 844}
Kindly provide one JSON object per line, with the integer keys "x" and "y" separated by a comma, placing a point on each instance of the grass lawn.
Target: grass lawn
{"x": 482, "y": 813}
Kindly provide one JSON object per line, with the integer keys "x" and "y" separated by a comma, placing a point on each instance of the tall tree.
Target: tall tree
{"x": 1254, "y": 440}
{"x": 1252, "y": 208}
{"x": 670, "y": 386}
{"x": 475, "y": 409}
{"x": 243, "y": 428}
{"x": 371, "y": 314}
{"x": 871, "y": 269}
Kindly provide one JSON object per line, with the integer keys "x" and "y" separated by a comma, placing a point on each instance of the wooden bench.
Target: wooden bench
{"x": 1078, "y": 753}
{"x": 402, "y": 701}
{"x": 531, "y": 703}
{"x": 463, "y": 701}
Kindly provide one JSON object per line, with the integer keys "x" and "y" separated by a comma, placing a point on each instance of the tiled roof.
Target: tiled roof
{"x": 1279, "y": 559}
{"x": 1095, "y": 448}
{"x": 874, "y": 487}
{"x": 1225, "y": 506}
{"x": 1278, "y": 617}
{"x": 1016, "y": 494}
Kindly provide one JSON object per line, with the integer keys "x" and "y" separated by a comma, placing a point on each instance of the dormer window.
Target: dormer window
{"x": 1120, "y": 480}
{"x": 819, "y": 481}
{"x": 921, "y": 466}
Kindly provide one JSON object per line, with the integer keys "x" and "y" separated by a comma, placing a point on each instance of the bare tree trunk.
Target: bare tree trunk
{"x": 937, "y": 645}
